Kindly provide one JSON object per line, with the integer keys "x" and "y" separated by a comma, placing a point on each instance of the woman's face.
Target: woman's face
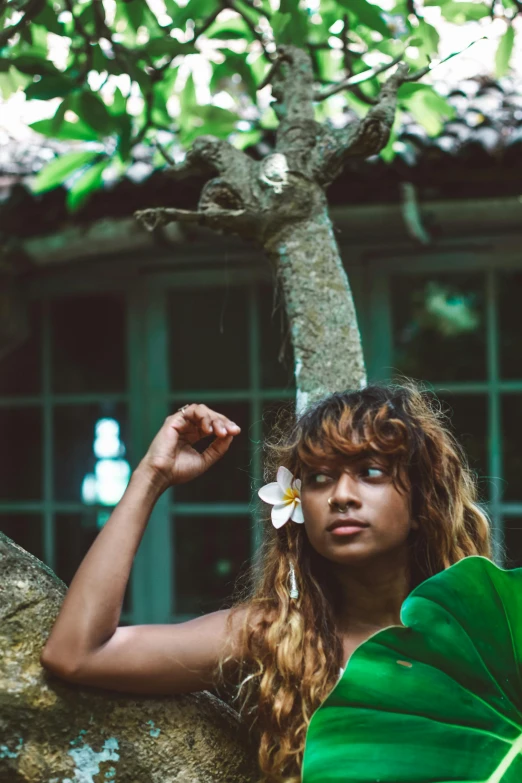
{"x": 361, "y": 494}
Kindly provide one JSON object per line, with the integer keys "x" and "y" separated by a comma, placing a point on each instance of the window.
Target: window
{"x": 55, "y": 389}
{"x": 459, "y": 331}
{"x": 81, "y": 401}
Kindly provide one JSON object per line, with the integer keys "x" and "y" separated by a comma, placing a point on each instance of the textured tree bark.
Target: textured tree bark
{"x": 326, "y": 341}
{"x": 280, "y": 203}
{"x": 55, "y": 732}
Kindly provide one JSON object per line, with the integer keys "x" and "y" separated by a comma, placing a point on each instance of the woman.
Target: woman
{"x": 380, "y": 465}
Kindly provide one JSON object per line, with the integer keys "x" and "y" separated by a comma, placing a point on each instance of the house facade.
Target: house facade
{"x": 127, "y": 327}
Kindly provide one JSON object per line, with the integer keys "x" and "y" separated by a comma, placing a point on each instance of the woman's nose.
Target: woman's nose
{"x": 346, "y": 491}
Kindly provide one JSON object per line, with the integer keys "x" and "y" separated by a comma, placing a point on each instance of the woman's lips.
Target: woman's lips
{"x": 347, "y": 521}
{"x": 347, "y": 530}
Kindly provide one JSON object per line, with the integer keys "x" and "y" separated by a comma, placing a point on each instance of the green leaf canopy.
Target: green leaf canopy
{"x": 77, "y": 51}
{"x": 436, "y": 701}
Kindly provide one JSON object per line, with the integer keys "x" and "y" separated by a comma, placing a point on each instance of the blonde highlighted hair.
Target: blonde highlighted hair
{"x": 291, "y": 649}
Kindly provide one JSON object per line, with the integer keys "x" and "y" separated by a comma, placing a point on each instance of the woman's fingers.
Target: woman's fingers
{"x": 216, "y": 450}
{"x": 206, "y": 421}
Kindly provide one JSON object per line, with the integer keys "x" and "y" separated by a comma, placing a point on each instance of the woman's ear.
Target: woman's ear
{"x": 414, "y": 524}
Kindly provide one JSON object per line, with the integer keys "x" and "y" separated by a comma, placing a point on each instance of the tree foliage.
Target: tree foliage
{"x": 119, "y": 75}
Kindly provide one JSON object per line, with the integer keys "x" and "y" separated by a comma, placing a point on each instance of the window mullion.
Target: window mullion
{"x": 494, "y": 425}
{"x": 158, "y": 538}
{"x": 378, "y": 347}
{"x": 48, "y": 439}
{"x": 256, "y": 412}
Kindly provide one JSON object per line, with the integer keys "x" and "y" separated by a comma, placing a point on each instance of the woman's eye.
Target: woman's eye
{"x": 378, "y": 472}
{"x": 319, "y": 478}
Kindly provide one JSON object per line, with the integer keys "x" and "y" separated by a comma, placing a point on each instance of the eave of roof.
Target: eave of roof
{"x": 478, "y": 154}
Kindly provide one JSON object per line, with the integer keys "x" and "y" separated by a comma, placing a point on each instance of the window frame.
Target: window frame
{"x": 149, "y": 401}
{"x": 486, "y": 255}
{"x": 144, "y": 283}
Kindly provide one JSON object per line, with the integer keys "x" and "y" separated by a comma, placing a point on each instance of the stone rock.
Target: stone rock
{"x": 55, "y": 732}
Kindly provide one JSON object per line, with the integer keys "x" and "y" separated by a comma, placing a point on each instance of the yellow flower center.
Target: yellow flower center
{"x": 291, "y": 494}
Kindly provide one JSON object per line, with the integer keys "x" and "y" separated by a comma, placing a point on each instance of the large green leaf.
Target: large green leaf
{"x": 89, "y": 181}
{"x": 367, "y": 13}
{"x": 197, "y": 10}
{"x": 211, "y": 120}
{"x": 48, "y": 18}
{"x": 429, "y": 38}
{"x": 68, "y": 131}
{"x": 50, "y": 87}
{"x": 188, "y": 102}
{"x": 504, "y": 51}
{"x": 34, "y": 65}
{"x": 438, "y": 699}
{"x": 94, "y": 112}
{"x": 165, "y": 45}
{"x": 296, "y": 30}
{"x": 60, "y": 169}
{"x": 428, "y": 107}
{"x": 11, "y": 81}
{"x": 229, "y": 29}
{"x": 135, "y": 10}
{"x": 462, "y": 12}
{"x": 232, "y": 65}
{"x": 124, "y": 136}
{"x": 279, "y": 23}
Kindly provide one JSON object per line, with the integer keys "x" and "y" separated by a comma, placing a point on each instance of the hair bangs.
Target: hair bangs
{"x": 354, "y": 432}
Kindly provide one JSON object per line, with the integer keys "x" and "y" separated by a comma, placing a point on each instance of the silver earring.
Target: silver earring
{"x": 294, "y": 592}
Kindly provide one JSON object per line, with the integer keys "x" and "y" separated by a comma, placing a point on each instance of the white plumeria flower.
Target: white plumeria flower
{"x": 285, "y": 496}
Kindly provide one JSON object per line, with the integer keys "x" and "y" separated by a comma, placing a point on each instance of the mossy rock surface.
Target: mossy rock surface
{"x": 55, "y": 732}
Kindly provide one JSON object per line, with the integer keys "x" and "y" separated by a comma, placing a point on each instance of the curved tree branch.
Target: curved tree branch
{"x": 361, "y": 138}
{"x": 162, "y": 216}
{"x": 431, "y": 65}
{"x": 348, "y": 84}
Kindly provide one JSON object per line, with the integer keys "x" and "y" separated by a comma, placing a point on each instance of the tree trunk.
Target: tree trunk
{"x": 280, "y": 203}
{"x": 326, "y": 341}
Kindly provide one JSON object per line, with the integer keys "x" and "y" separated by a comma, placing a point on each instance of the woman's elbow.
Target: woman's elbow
{"x": 65, "y": 669}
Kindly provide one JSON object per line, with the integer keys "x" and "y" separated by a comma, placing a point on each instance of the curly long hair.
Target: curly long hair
{"x": 291, "y": 649}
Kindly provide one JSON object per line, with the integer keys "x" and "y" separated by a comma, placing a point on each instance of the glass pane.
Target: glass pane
{"x": 208, "y": 339}
{"x": 75, "y": 534}
{"x": 228, "y": 480}
{"x": 89, "y": 352}
{"x": 277, "y": 361}
{"x": 210, "y": 553}
{"x": 20, "y": 369}
{"x": 26, "y": 530}
{"x": 21, "y": 454}
{"x": 439, "y": 328}
{"x": 91, "y": 444}
{"x": 513, "y": 542}
{"x": 468, "y": 414}
{"x": 511, "y": 413}
{"x": 510, "y": 324}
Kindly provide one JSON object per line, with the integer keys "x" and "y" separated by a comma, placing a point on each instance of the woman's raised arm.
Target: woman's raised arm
{"x": 85, "y": 644}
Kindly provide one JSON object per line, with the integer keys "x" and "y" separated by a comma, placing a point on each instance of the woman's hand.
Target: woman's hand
{"x": 171, "y": 458}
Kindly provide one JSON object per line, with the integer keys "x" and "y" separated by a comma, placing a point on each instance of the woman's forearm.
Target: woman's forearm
{"x": 91, "y": 610}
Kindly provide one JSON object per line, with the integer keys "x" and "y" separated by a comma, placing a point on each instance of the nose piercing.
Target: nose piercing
{"x": 331, "y": 503}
